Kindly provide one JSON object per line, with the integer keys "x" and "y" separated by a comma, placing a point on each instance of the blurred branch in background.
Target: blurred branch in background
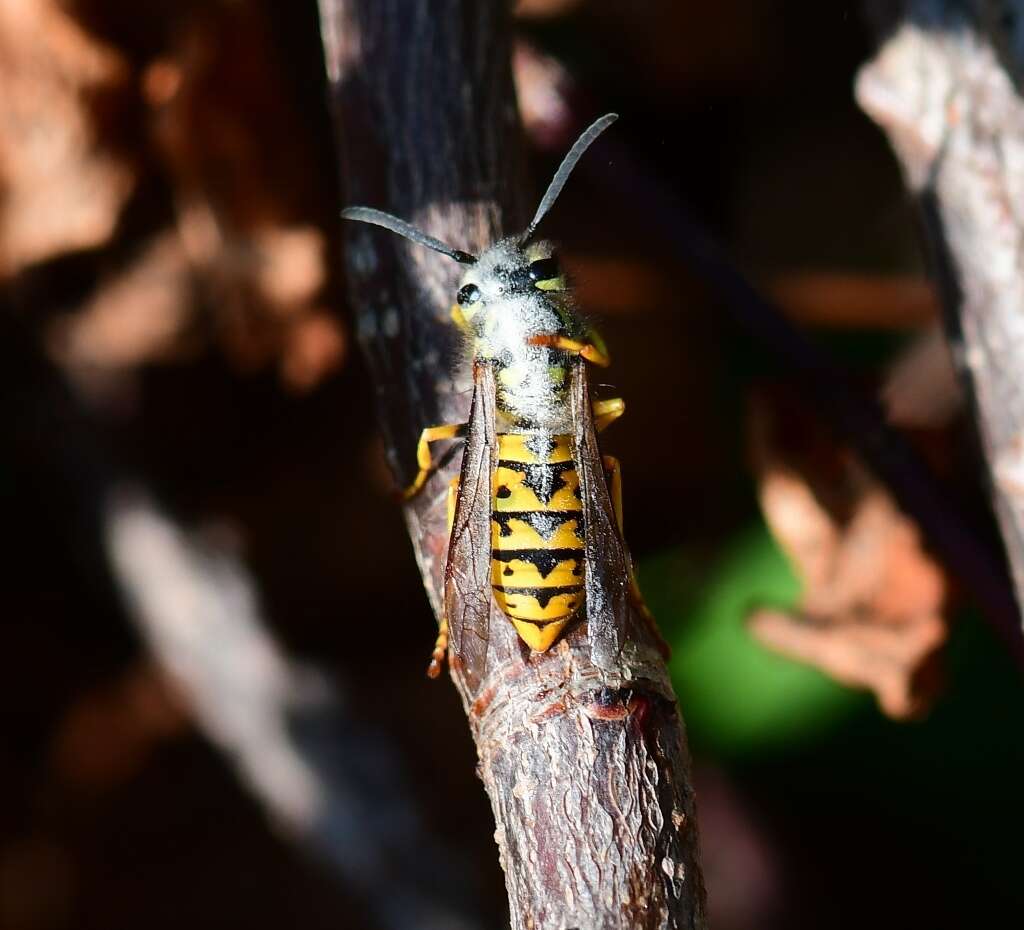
{"x": 877, "y": 623}
{"x": 946, "y": 88}
{"x": 586, "y": 769}
{"x": 331, "y": 783}
{"x": 921, "y": 390}
{"x": 294, "y": 740}
{"x": 145, "y": 217}
{"x": 857, "y": 417}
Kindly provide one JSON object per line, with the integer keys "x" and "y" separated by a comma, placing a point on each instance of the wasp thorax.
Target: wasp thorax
{"x": 514, "y": 304}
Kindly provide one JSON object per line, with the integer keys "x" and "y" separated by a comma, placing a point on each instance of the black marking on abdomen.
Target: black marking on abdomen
{"x": 544, "y": 523}
{"x": 540, "y": 623}
{"x": 545, "y": 479}
{"x": 544, "y": 560}
{"x": 542, "y": 595}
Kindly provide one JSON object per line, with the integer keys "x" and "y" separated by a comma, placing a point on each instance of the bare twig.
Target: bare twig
{"x": 946, "y": 88}
{"x": 587, "y": 771}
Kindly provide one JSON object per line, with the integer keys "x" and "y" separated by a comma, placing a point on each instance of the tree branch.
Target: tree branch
{"x": 587, "y": 771}
{"x": 945, "y": 88}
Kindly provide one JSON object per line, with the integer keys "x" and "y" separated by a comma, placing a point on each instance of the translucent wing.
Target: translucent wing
{"x": 607, "y": 575}
{"x": 467, "y": 574}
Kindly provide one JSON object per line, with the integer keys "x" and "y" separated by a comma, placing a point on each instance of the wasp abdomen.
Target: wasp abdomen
{"x": 537, "y": 552}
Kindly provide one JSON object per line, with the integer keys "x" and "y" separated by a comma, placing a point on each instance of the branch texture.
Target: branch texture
{"x": 587, "y": 770}
{"x": 945, "y": 88}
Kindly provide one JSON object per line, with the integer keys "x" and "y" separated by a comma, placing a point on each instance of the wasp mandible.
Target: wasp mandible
{"x": 535, "y": 493}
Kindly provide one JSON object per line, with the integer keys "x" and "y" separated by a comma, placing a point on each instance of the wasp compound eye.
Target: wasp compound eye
{"x": 468, "y": 294}
{"x": 544, "y": 269}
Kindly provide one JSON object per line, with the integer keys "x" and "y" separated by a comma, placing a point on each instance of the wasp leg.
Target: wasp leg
{"x": 607, "y": 411}
{"x": 440, "y": 650}
{"x": 441, "y": 643}
{"x": 595, "y": 355}
{"x": 614, "y": 475}
{"x": 423, "y": 459}
{"x": 588, "y": 350}
{"x": 453, "y": 497}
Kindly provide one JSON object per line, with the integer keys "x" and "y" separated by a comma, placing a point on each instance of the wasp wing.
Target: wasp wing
{"x": 467, "y": 573}
{"x": 607, "y": 574}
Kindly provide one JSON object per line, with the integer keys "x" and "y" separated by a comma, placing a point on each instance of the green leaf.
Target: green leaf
{"x": 736, "y": 696}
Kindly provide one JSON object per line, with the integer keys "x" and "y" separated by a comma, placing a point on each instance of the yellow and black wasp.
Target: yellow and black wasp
{"x": 535, "y": 493}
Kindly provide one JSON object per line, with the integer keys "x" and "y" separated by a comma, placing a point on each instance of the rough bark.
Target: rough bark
{"x": 945, "y": 86}
{"x": 587, "y": 770}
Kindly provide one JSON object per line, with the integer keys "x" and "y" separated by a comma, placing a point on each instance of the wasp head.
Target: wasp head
{"x": 507, "y": 278}
{"x": 514, "y": 291}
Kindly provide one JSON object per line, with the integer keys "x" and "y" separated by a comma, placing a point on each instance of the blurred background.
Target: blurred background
{"x": 197, "y": 726}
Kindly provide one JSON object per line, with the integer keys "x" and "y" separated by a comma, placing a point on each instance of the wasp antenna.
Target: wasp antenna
{"x": 393, "y": 223}
{"x": 565, "y": 169}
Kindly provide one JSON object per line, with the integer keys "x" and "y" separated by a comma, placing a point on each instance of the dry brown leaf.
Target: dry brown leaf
{"x": 314, "y": 346}
{"x": 137, "y": 316}
{"x": 871, "y": 612}
{"x": 543, "y": 87}
{"x": 108, "y": 734}
{"x": 242, "y": 260}
{"x": 62, "y": 186}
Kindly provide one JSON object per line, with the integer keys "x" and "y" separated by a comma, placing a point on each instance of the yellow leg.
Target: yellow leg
{"x": 440, "y": 650}
{"x": 441, "y": 643}
{"x": 608, "y": 411}
{"x": 453, "y": 497}
{"x": 593, "y": 354}
{"x": 423, "y": 459}
{"x": 614, "y": 475}
{"x": 588, "y": 350}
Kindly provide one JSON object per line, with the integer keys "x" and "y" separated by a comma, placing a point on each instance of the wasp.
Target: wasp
{"x": 535, "y": 517}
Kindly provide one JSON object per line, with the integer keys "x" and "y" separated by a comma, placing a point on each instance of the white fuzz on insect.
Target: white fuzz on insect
{"x": 512, "y": 298}
{"x": 509, "y": 311}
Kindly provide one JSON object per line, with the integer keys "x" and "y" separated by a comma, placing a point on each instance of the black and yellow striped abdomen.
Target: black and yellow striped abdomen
{"x": 537, "y": 555}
